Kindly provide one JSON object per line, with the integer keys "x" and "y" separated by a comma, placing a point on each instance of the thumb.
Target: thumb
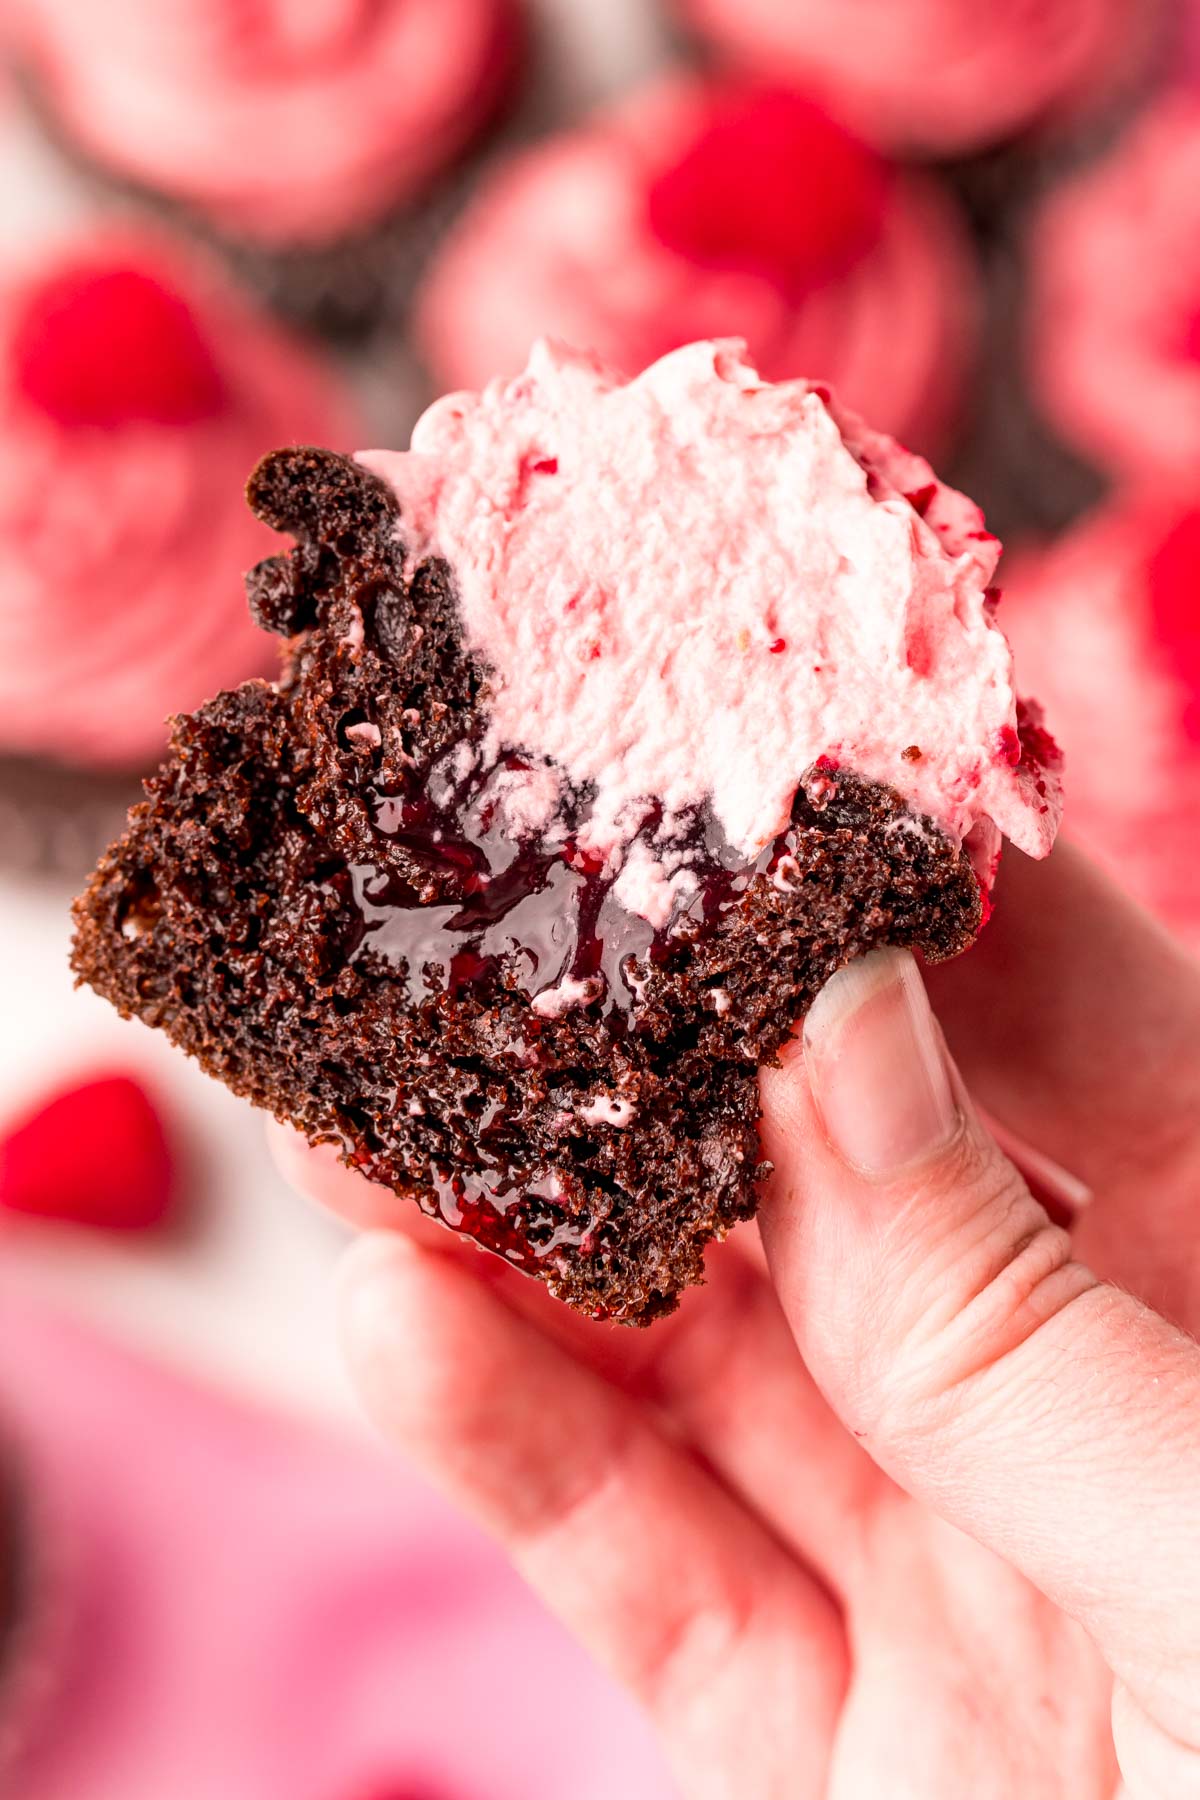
{"x": 1051, "y": 1416}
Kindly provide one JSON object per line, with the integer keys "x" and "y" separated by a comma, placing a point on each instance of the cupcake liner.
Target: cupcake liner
{"x": 1010, "y": 461}
{"x": 56, "y": 821}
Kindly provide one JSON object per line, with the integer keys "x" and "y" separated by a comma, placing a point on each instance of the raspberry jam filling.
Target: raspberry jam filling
{"x": 541, "y": 916}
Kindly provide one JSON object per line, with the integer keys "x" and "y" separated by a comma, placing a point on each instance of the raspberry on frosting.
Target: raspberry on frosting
{"x": 1114, "y": 310}
{"x": 942, "y": 75}
{"x": 136, "y": 393}
{"x": 1174, "y": 595}
{"x": 700, "y": 208}
{"x": 97, "y": 344}
{"x": 771, "y": 185}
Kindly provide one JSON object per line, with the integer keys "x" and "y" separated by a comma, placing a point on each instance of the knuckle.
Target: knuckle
{"x": 975, "y": 1284}
{"x": 692, "y": 1653}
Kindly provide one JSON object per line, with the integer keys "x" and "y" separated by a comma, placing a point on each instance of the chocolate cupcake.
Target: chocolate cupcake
{"x": 615, "y": 717}
{"x": 943, "y": 77}
{"x": 1114, "y": 301}
{"x": 137, "y": 392}
{"x": 701, "y": 207}
{"x": 1106, "y": 622}
{"x": 305, "y": 141}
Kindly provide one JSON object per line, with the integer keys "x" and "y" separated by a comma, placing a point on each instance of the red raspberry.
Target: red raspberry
{"x": 103, "y": 346}
{"x": 94, "y": 1153}
{"x": 1174, "y": 582}
{"x": 774, "y": 187}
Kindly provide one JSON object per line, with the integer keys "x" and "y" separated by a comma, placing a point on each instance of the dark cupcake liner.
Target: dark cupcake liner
{"x": 55, "y": 822}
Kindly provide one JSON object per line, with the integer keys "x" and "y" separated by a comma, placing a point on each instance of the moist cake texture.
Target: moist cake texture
{"x": 614, "y": 718}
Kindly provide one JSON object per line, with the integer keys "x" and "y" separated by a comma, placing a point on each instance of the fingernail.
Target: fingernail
{"x": 876, "y": 1066}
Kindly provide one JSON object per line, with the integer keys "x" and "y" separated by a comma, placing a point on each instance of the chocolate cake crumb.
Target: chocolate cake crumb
{"x": 319, "y": 901}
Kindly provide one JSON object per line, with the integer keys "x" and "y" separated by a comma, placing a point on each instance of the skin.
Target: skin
{"x": 905, "y": 1501}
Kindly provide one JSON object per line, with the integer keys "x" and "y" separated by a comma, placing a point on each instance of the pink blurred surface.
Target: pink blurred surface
{"x": 241, "y": 1606}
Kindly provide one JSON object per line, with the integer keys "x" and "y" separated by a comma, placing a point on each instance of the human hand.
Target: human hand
{"x": 906, "y": 1508}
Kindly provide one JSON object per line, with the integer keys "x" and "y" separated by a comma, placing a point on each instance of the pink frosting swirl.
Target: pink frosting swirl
{"x": 690, "y": 212}
{"x": 284, "y": 123}
{"x": 941, "y": 75}
{"x": 1105, "y": 627}
{"x": 1115, "y": 301}
{"x": 129, "y": 420}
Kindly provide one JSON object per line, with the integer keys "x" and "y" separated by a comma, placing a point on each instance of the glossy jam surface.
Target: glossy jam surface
{"x": 539, "y": 914}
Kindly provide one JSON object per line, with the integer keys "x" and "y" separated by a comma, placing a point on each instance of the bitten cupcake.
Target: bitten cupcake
{"x": 941, "y": 76}
{"x": 1106, "y": 624}
{"x": 615, "y": 715}
{"x": 1114, "y": 312}
{"x": 697, "y": 210}
{"x": 287, "y": 128}
{"x": 135, "y": 397}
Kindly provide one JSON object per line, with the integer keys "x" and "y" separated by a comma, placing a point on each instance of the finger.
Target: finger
{"x": 318, "y": 1172}
{"x": 724, "y": 1368}
{"x": 1076, "y": 1020}
{"x": 655, "y": 1568}
{"x": 1062, "y": 1194}
{"x": 1054, "y": 1418}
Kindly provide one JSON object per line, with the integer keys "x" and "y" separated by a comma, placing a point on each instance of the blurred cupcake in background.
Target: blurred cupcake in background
{"x": 1114, "y": 303}
{"x": 941, "y": 77}
{"x": 1106, "y": 625}
{"x": 294, "y": 131}
{"x": 136, "y": 394}
{"x": 699, "y": 210}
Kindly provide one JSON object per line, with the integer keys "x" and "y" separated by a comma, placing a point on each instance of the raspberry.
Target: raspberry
{"x": 1174, "y": 595}
{"x": 103, "y": 346}
{"x": 771, "y": 186}
{"x": 94, "y": 1153}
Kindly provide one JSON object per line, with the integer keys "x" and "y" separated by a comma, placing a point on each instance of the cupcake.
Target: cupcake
{"x": 137, "y": 394}
{"x": 1106, "y": 623}
{"x": 941, "y": 77}
{"x": 615, "y": 716}
{"x": 287, "y": 129}
{"x": 698, "y": 209}
{"x": 1114, "y": 306}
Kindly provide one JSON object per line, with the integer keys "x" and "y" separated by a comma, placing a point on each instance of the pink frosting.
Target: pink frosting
{"x": 941, "y": 75}
{"x": 693, "y": 585}
{"x": 284, "y": 122}
{"x": 1115, "y": 304}
{"x": 121, "y": 545}
{"x": 1105, "y": 623}
{"x": 561, "y": 241}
